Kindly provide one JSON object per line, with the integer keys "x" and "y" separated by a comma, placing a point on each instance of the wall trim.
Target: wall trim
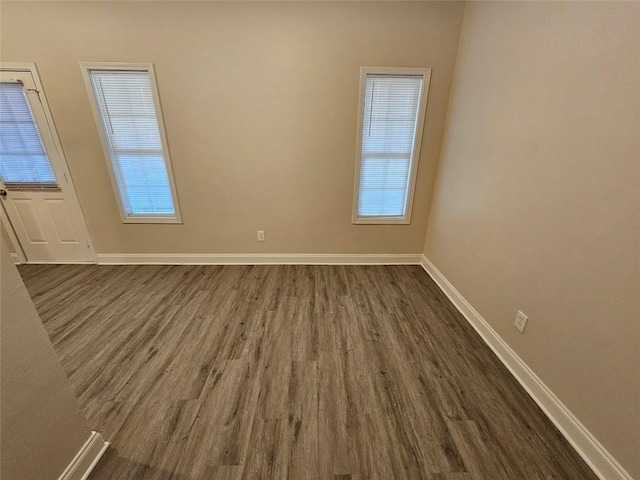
{"x": 588, "y": 447}
{"x": 86, "y": 458}
{"x": 256, "y": 259}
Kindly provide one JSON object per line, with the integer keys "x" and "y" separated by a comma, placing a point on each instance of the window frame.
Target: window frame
{"x": 86, "y": 68}
{"x": 425, "y": 73}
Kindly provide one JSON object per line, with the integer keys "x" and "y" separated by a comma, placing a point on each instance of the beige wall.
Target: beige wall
{"x": 42, "y": 427}
{"x": 537, "y": 198}
{"x": 260, "y": 107}
{"x": 536, "y": 206}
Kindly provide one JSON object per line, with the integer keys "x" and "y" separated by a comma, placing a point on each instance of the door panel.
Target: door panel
{"x": 27, "y": 218}
{"x": 42, "y": 211}
{"x": 46, "y": 229}
{"x": 61, "y": 221}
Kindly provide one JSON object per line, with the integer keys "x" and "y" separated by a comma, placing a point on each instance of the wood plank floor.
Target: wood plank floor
{"x": 300, "y": 372}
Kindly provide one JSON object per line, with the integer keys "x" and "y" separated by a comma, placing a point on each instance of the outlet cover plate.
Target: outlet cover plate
{"x": 521, "y": 321}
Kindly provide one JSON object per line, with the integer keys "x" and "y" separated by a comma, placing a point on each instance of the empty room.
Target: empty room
{"x": 308, "y": 240}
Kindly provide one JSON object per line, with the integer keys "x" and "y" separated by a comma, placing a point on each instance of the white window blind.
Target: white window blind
{"x": 130, "y": 123}
{"x": 23, "y": 159}
{"x": 389, "y": 124}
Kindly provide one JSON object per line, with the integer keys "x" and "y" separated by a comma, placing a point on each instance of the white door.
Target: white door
{"x": 35, "y": 191}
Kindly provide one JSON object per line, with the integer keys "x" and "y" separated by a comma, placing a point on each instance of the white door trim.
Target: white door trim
{"x": 18, "y": 256}
{"x": 71, "y": 189}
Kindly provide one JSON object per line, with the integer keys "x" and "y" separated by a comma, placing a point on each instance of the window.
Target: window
{"x": 124, "y": 99}
{"x": 23, "y": 159}
{"x": 391, "y": 114}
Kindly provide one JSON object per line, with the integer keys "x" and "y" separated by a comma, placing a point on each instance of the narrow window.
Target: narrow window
{"x": 125, "y": 103}
{"x": 392, "y": 109}
{"x": 23, "y": 160}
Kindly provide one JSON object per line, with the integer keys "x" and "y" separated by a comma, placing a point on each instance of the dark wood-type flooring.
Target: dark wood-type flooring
{"x": 299, "y": 372}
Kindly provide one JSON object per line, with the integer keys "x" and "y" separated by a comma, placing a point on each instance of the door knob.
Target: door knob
{"x": 3, "y": 193}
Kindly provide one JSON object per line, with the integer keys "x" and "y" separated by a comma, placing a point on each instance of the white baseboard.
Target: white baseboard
{"x": 86, "y": 458}
{"x": 256, "y": 259}
{"x": 593, "y": 453}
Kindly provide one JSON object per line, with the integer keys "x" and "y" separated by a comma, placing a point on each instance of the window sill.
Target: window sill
{"x": 173, "y": 220}
{"x": 381, "y": 221}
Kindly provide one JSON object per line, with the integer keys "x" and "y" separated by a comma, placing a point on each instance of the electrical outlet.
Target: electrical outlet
{"x": 521, "y": 321}
{"x": 261, "y": 235}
